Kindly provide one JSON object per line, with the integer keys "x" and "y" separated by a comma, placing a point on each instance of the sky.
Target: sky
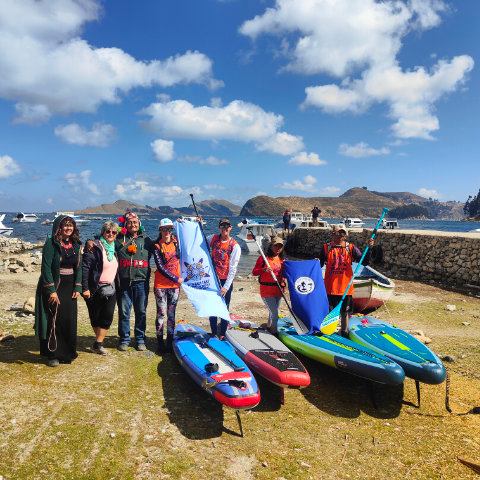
{"x": 151, "y": 101}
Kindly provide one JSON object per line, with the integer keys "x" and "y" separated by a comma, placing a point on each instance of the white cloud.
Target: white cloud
{"x": 8, "y": 166}
{"x": 101, "y": 134}
{"x": 348, "y": 37}
{"x": 163, "y": 150}
{"x": 238, "y": 121}
{"x": 142, "y": 190}
{"x": 306, "y": 185}
{"x": 429, "y": 193}
{"x": 361, "y": 149}
{"x": 80, "y": 182}
{"x": 210, "y": 160}
{"x": 213, "y": 186}
{"x": 304, "y": 158}
{"x": 47, "y": 68}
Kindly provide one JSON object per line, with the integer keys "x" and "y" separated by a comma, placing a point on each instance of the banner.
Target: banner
{"x": 307, "y": 292}
{"x": 199, "y": 280}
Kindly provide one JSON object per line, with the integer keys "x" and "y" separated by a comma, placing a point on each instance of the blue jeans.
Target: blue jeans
{"x": 135, "y": 294}
{"x": 223, "y": 322}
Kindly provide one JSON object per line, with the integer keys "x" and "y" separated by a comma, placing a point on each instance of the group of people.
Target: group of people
{"x": 287, "y": 218}
{"x": 115, "y": 269}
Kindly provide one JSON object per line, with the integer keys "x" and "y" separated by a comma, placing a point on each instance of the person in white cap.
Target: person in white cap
{"x": 167, "y": 282}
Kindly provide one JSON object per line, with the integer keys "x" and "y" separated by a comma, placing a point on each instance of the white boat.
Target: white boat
{"x": 78, "y": 220}
{"x": 352, "y": 222}
{"x": 25, "y": 217}
{"x": 4, "y": 231}
{"x": 390, "y": 223}
{"x": 475, "y": 230}
{"x": 305, "y": 220}
{"x": 259, "y": 228}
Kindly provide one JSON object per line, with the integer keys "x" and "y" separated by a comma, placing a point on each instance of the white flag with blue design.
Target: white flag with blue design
{"x": 199, "y": 280}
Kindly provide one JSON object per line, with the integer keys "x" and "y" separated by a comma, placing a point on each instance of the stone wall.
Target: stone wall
{"x": 451, "y": 260}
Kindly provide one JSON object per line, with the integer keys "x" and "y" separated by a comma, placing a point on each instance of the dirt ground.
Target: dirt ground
{"x": 135, "y": 415}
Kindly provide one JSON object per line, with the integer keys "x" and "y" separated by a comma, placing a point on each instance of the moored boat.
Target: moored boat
{"x": 21, "y": 217}
{"x": 4, "y": 230}
{"x": 259, "y": 228}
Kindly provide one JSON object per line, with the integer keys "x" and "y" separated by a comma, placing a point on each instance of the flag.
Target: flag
{"x": 199, "y": 280}
{"x": 307, "y": 292}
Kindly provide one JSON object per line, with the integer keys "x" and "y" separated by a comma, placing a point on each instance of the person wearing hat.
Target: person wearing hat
{"x": 269, "y": 291}
{"x": 226, "y": 254}
{"x": 338, "y": 256}
{"x": 134, "y": 250}
{"x": 167, "y": 282}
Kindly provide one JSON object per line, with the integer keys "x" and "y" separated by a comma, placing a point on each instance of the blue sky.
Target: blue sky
{"x": 150, "y": 100}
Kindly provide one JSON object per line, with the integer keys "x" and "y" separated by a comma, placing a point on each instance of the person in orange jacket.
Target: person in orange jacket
{"x": 269, "y": 290}
{"x": 338, "y": 256}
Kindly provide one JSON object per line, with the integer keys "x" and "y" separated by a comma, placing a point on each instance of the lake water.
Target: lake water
{"x": 34, "y": 232}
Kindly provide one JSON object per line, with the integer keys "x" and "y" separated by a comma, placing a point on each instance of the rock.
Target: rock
{"x": 6, "y": 338}
{"x": 450, "y": 308}
{"x": 466, "y": 323}
{"x": 240, "y": 289}
{"x": 29, "y": 268}
{"x": 15, "y": 307}
{"x": 29, "y": 305}
{"x": 448, "y": 358}
{"x": 112, "y": 435}
{"x": 15, "y": 268}
{"x": 264, "y": 464}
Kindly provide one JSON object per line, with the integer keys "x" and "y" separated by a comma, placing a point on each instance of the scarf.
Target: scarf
{"x": 109, "y": 248}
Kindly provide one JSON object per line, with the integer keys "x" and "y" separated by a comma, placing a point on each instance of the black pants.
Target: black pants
{"x": 223, "y": 322}
{"x": 345, "y": 310}
{"x": 100, "y": 310}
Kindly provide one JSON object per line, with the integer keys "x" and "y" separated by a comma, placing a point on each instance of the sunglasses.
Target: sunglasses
{"x": 111, "y": 232}
{"x": 166, "y": 229}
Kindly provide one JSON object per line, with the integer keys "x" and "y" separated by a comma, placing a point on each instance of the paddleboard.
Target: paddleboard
{"x": 266, "y": 355}
{"x": 215, "y": 366}
{"x": 416, "y": 359}
{"x": 342, "y": 353}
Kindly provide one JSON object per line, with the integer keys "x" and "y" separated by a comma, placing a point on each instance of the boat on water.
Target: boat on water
{"x": 390, "y": 223}
{"x": 305, "y": 220}
{"x": 371, "y": 289}
{"x": 353, "y": 222}
{"x": 21, "y": 217}
{"x": 190, "y": 218}
{"x": 259, "y": 229}
{"x": 78, "y": 220}
{"x": 4, "y": 231}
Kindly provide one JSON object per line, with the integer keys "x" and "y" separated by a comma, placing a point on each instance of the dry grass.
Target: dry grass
{"x": 135, "y": 415}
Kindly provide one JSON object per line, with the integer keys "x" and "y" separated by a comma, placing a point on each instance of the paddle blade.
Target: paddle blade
{"x": 330, "y": 322}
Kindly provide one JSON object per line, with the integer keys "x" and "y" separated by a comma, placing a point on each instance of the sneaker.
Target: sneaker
{"x": 99, "y": 349}
{"x": 53, "y": 362}
{"x": 122, "y": 347}
{"x": 141, "y": 347}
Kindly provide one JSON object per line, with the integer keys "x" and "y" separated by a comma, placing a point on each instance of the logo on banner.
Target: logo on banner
{"x": 197, "y": 274}
{"x": 304, "y": 285}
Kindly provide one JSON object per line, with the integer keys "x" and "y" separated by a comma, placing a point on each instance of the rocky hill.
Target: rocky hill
{"x": 355, "y": 202}
{"x": 205, "y": 207}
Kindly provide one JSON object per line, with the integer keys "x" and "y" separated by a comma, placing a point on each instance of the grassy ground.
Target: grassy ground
{"x": 135, "y": 415}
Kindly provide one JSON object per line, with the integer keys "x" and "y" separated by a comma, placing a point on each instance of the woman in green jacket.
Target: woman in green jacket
{"x": 58, "y": 288}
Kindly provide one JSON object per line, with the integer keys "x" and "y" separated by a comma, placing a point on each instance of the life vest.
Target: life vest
{"x": 338, "y": 268}
{"x": 268, "y": 286}
{"x": 221, "y": 252}
{"x": 170, "y": 257}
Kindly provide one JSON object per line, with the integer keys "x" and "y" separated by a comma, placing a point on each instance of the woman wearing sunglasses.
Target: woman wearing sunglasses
{"x": 99, "y": 279}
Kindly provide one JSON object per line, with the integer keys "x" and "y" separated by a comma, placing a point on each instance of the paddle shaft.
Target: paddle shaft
{"x": 300, "y": 324}
{"x": 208, "y": 245}
{"x": 365, "y": 250}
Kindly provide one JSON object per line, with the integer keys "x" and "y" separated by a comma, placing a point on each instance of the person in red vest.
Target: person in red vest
{"x": 225, "y": 255}
{"x": 167, "y": 282}
{"x": 338, "y": 256}
{"x": 269, "y": 291}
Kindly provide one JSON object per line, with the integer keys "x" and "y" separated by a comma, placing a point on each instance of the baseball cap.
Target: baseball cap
{"x": 224, "y": 221}
{"x": 165, "y": 222}
{"x": 277, "y": 240}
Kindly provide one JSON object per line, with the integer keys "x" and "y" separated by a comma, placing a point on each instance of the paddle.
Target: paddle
{"x": 298, "y": 325}
{"x": 330, "y": 322}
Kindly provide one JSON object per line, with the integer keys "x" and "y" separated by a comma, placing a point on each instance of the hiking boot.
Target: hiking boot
{"x": 122, "y": 347}
{"x": 141, "y": 347}
{"x": 168, "y": 346}
{"x": 99, "y": 349}
{"x": 53, "y": 362}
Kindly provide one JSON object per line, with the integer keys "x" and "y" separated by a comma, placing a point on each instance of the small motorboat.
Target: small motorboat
{"x": 390, "y": 223}
{"x": 78, "y": 220}
{"x": 352, "y": 222}
{"x": 4, "y": 231}
{"x": 249, "y": 229}
{"x": 305, "y": 220}
{"x": 25, "y": 217}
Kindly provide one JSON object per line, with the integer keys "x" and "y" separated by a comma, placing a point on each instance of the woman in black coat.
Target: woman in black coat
{"x": 99, "y": 281}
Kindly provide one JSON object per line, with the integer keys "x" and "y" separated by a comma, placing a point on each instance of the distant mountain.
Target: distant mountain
{"x": 355, "y": 202}
{"x": 206, "y": 207}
